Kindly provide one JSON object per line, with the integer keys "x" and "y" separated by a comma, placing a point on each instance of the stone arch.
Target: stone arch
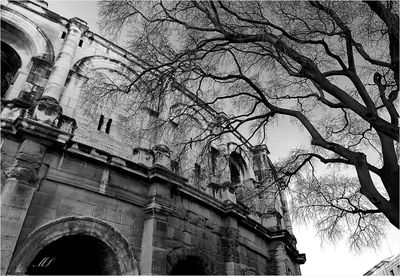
{"x": 93, "y": 68}
{"x": 25, "y": 37}
{"x": 180, "y": 254}
{"x": 69, "y": 226}
{"x": 239, "y": 160}
{"x": 87, "y": 64}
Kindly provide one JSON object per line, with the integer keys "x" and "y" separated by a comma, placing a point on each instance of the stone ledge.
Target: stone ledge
{"x": 70, "y": 179}
{"x": 46, "y": 133}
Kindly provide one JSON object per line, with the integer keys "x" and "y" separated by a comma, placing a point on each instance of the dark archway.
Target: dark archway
{"x": 75, "y": 255}
{"x": 10, "y": 63}
{"x": 191, "y": 261}
{"x": 190, "y": 265}
{"x": 38, "y": 240}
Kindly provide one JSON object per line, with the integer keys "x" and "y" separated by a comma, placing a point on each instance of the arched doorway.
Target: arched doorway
{"x": 190, "y": 265}
{"x": 191, "y": 261}
{"x": 83, "y": 236}
{"x": 10, "y": 63}
{"x": 75, "y": 255}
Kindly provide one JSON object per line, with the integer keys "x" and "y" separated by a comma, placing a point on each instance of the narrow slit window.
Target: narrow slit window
{"x": 80, "y": 43}
{"x": 214, "y": 156}
{"x": 63, "y": 35}
{"x": 101, "y": 121}
{"x": 108, "y": 126}
{"x": 197, "y": 174}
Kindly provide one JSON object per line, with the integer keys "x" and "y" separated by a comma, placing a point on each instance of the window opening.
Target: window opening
{"x": 101, "y": 121}
{"x": 108, "y": 126}
{"x": 235, "y": 174}
{"x": 197, "y": 174}
{"x": 80, "y": 43}
{"x": 63, "y": 35}
{"x": 214, "y": 155}
{"x": 237, "y": 167}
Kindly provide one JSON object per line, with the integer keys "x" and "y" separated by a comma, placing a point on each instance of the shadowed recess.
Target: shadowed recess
{"x": 75, "y": 255}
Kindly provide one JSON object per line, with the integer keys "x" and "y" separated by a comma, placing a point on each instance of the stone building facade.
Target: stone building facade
{"x": 387, "y": 267}
{"x": 83, "y": 194}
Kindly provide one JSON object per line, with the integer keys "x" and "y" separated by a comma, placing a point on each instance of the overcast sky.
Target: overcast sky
{"x": 321, "y": 260}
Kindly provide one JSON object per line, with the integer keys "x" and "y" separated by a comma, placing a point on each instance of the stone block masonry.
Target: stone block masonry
{"x": 98, "y": 181}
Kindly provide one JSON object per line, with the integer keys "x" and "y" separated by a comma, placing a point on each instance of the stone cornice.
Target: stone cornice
{"x": 40, "y": 131}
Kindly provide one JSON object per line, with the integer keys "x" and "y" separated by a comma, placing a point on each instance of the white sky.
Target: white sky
{"x": 321, "y": 260}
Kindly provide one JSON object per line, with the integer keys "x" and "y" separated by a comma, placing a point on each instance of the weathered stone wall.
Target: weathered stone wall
{"x": 61, "y": 175}
{"x": 71, "y": 188}
{"x": 196, "y": 227}
{"x": 9, "y": 151}
{"x": 253, "y": 251}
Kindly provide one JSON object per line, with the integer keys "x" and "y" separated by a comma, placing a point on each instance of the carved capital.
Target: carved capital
{"x": 162, "y": 155}
{"x": 27, "y": 175}
{"x": 78, "y": 23}
{"x": 47, "y": 111}
{"x": 143, "y": 156}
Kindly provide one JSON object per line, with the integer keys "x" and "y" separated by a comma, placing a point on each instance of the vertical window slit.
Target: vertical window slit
{"x": 101, "y": 121}
{"x": 197, "y": 174}
{"x": 108, "y": 126}
{"x": 214, "y": 155}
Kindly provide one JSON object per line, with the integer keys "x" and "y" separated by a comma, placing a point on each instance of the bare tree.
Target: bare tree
{"x": 331, "y": 66}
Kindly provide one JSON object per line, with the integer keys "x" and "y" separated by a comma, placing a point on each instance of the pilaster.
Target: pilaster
{"x": 21, "y": 183}
{"x": 22, "y": 178}
{"x": 48, "y": 109}
{"x": 154, "y": 251}
{"x": 230, "y": 243}
{"x": 63, "y": 63}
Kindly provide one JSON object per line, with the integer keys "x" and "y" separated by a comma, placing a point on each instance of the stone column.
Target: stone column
{"x": 48, "y": 109}
{"x": 278, "y": 255}
{"x": 154, "y": 252}
{"x": 64, "y": 60}
{"x": 21, "y": 183}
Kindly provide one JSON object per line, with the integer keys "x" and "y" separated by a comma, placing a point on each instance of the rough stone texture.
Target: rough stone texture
{"x": 9, "y": 151}
{"x": 16, "y": 195}
{"x": 50, "y": 232}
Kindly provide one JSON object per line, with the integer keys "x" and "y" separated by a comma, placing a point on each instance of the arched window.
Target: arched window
{"x": 237, "y": 167}
{"x": 214, "y": 157}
